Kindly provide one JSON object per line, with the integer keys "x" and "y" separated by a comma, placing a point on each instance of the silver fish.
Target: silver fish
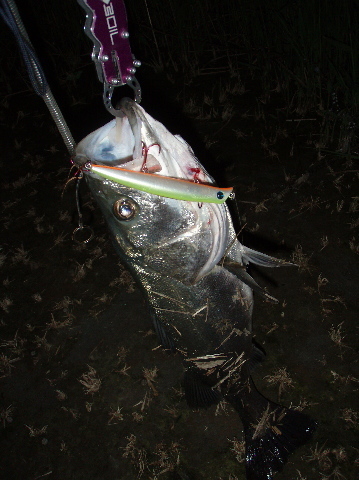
{"x": 192, "y": 268}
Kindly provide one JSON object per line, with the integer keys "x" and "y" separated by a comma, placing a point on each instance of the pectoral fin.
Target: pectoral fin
{"x": 262, "y": 259}
{"x": 164, "y": 337}
{"x": 240, "y": 272}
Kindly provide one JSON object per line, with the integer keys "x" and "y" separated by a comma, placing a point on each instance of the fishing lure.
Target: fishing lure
{"x": 163, "y": 186}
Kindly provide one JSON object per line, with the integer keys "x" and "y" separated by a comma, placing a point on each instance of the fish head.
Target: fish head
{"x": 180, "y": 239}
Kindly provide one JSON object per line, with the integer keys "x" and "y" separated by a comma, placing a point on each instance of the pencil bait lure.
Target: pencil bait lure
{"x": 163, "y": 186}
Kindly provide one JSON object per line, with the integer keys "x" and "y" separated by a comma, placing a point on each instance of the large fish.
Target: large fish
{"x": 186, "y": 256}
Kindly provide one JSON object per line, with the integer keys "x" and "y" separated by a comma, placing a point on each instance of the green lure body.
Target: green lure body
{"x": 164, "y": 186}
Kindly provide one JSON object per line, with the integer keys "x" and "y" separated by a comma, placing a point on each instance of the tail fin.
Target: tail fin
{"x": 269, "y": 443}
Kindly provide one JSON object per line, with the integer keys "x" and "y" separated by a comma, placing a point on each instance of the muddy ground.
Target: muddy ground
{"x": 85, "y": 392}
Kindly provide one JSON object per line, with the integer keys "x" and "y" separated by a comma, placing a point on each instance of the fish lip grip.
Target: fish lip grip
{"x": 106, "y": 26}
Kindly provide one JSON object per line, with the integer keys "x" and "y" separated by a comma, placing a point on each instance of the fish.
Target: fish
{"x": 192, "y": 269}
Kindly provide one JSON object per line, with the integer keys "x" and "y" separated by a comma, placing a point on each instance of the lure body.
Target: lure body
{"x": 169, "y": 187}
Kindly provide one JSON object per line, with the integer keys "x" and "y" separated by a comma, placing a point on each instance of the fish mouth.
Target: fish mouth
{"x": 142, "y": 159}
{"x": 136, "y": 141}
{"x": 119, "y": 143}
{"x": 138, "y": 153}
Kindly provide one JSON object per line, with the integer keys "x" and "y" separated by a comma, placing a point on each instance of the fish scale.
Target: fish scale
{"x": 178, "y": 252}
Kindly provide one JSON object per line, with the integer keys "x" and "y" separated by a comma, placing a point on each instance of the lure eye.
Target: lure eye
{"x": 125, "y": 208}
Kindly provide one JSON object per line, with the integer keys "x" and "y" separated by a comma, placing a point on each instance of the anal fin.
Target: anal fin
{"x": 198, "y": 394}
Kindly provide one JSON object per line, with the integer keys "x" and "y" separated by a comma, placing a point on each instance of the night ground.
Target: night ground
{"x": 267, "y": 96}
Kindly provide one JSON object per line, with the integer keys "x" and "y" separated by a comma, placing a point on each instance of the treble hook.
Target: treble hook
{"x": 81, "y": 229}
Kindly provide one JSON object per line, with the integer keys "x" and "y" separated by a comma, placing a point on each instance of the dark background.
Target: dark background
{"x": 267, "y": 95}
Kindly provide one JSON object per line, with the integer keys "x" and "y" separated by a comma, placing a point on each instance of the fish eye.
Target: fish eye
{"x": 125, "y": 208}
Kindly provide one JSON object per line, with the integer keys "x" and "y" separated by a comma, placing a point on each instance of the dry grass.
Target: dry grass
{"x": 90, "y": 381}
{"x": 282, "y": 379}
{"x": 6, "y": 365}
{"x": 137, "y": 455}
{"x": 337, "y": 336}
{"x": 35, "y": 432}
{"x": 238, "y": 447}
{"x": 48, "y": 306}
{"x": 6, "y": 415}
{"x": 56, "y": 324}
{"x": 351, "y": 417}
{"x": 5, "y": 303}
{"x": 321, "y": 456}
{"x": 167, "y": 458}
{"x": 115, "y": 416}
{"x": 301, "y": 259}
